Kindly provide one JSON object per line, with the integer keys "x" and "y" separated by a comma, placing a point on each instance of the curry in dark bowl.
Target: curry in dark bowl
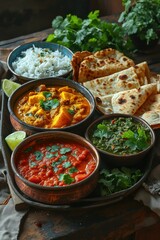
{"x": 122, "y": 140}
{"x": 49, "y": 104}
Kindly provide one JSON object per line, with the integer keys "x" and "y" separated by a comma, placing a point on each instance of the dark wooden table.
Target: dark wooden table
{"x": 111, "y": 222}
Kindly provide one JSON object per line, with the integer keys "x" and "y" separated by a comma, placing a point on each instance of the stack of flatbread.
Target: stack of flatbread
{"x": 118, "y": 84}
{"x": 87, "y": 66}
{"x": 136, "y": 93}
{"x": 130, "y": 78}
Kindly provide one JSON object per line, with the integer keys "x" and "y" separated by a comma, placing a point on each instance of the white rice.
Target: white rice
{"x": 41, "y": 63}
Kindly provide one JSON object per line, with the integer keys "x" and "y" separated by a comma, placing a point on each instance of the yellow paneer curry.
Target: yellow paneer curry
{"x": 52, "y": 107}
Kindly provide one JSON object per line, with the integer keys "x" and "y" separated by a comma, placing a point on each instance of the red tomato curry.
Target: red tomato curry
{"x": 49, "y": 163}
{"x": 52, "y": 107}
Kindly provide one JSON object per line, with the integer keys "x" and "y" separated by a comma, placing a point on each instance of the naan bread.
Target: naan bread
{"x": 152, "y": 117}
{"x": 130, "y": 78}
{"x": 127, "y": 102}
{"x": 150, "y": 110}
{"x": 143, "y": 73}
{"x": 87, "y": 66}
{"x": 77, "y": 58}
{"x": 130, "y": 101}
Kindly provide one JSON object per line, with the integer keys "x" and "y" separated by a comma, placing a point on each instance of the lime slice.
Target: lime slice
{"x": 15, "y": 138}
{"x": 8, "y": 86}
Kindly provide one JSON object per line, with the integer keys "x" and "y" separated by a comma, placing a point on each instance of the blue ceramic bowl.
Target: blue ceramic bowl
{"x": 18, "y": 53}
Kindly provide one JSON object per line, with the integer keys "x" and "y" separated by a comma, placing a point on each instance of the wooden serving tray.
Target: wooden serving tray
{"x": 92, "y": 201}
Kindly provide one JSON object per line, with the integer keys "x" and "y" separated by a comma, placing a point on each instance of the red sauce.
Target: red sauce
{"x": 49, "y": 163}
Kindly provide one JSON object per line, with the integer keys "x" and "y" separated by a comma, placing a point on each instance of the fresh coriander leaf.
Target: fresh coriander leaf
{"x": 49, "y": 155}
{"x": 73, "y": 170}
{"x": 63, "y": 158}
{"x": 53, "y": 148}
{"x": 32, "y": 164}
{"x": 74, "y": 153}
{"x": 49, "y": 104}
{"x": 47, "y": 94}
{"x": 71, "y": 111}
{"x": 65, "y": 150}
{"x": 66, "y": 178}
{"x": 66, "y": 164}
{"x": 38, "y": 155}
{"x": 128, "y": 134}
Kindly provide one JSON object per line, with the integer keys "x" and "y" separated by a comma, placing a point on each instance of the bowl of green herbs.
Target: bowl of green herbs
{"x": 121, "y": 139}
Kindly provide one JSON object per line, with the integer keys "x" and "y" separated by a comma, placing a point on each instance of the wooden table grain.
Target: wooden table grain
{"x": 111, "y": 222}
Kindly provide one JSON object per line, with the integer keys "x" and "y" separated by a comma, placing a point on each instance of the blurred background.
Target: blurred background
{"x": 21, "y": 17}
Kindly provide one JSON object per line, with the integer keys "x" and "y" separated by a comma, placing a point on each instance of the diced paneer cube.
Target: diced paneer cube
{"x": 67, "y": 96}
{"x": 40, "y": 112}
{"x": 36, "y": 98}
{"x": 64, "y": 118}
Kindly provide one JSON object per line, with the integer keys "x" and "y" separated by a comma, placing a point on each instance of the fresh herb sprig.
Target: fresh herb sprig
{"x": 118, "y": 179}
{"x": 141, "y": 18}
{"x": 91, "y": 34}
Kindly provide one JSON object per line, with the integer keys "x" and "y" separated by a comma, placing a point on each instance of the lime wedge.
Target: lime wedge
{"x": 8, "y": 86}
{"x": 15, "y": 138}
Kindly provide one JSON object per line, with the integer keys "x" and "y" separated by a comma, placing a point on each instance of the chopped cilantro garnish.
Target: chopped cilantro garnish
{"x": 71, "y": 111}
{"x": 38, "y": 155}
{"x": 66, "y": 178}
{"x": 32, "y": 164}
{"x": 74, "y": 153}
{"x": 73, "y": 170}
{"x": 66, "y": 164}
{"x": 62, "y": 158}
{"x": 49, "y": 104}
{"x": 49, "y": 155}
{"x": 65, "y": 150}
{"x": 53, "y": 148}
{"x": 55, "y": 169}
{"x": 47, "y": 94}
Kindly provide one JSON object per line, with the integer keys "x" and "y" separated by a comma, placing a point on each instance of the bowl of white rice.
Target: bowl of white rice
{"x": 40, "y": 60}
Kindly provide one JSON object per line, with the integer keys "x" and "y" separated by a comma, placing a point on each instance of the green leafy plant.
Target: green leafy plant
{"x": 91, "y": 34}
{"x": 118, "y": 179}
{"x": 141, "y": 18}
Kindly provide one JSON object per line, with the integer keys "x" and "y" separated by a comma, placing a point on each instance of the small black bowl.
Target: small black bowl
{"x": 116, "y": 160}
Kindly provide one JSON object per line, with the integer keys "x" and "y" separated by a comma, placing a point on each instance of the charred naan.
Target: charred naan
{"x": 87, "y": 66}
{"x": 130, "y": 78}
{"x": 128, "y": 101}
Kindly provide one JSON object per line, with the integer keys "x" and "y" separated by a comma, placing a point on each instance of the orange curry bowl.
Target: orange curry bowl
{"x": 51, "y": 104}
{"x": 55, "y": 167}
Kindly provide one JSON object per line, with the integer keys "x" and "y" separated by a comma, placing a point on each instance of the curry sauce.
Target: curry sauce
{"x": 52, "y": 107}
